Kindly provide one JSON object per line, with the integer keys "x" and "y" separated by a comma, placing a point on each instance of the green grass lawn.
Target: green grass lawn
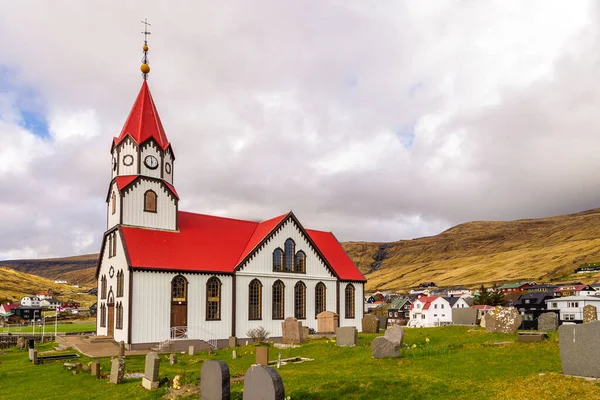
{"x": 62, "y": 328}
{"x": 456, "y": 363}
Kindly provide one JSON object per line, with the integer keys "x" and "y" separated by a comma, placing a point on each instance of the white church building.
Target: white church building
{"x": 165, "y": 274}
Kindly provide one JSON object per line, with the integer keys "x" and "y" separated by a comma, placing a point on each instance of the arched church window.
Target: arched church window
{"x": 120, "y": 283}
{"x": 213, "y": 299}
{"x": 278, "y": 300}
{"x": 179, "y": 290}
{"x": 255, "y": 300}
{"x": 300, "y": 300}
{"x": 320, "y": 298}
{"x": 278, "y": 259}
{"x": 150, "y": 199}
{"x": 119, "y": 311}
{"x": 103, "y": 287}
{"x": 290, "y": 251}
{"x": 113, "y": 203}
{"x": 102, "y": 315}
{"x": 349, "y": 303}
{"x": 300, "y": 262}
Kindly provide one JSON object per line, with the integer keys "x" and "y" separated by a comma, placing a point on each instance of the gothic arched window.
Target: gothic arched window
{"x": 120, "y": 283}
{"x": 349, "y": 303}
{"x": 119, "y": 311}
{"x": 179, "y": 289}
{"x": 320, "y": 298}
{"x": 290, "y": 251}
{"x": 102, "y": 315}
{"x": 103, "y": 287}
{"x": 255, "y": 300}
{"x": 278, "y": 300}
{"x": 113, "y": 203}
{"x": 300, "y": 300}
{"x": 278, "y": 259}
{"x": 150, "y": 199}
{"x": 300, "y": 262}
{"x": 213, "y": 299}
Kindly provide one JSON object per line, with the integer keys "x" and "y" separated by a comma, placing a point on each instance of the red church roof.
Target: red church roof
{"x": 143, "y": 121}
{"x": 207, "y": 243}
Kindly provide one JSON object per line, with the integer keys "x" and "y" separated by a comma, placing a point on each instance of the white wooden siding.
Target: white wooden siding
{"x": 168, "y": 158}
{"x": 133, "y": 206}
{"x": 358, "y": 305}
{"x": 151, "y": 311}
{"x": 113, "y": 219}
{"x": 127, "y": 147}
{"x": 150, "y": 149}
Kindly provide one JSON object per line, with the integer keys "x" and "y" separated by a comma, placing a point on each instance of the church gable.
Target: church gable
{"x": 149, "y": 203}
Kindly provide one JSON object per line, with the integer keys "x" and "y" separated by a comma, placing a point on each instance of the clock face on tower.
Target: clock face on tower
{"x": 151, "y": 162}
{"x": 128, "y": 160}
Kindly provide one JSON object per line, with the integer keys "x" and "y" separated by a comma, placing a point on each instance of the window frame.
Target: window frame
{"x": 320, "y": 298}
{"x": 300, "y": 300}
{"x": 302, "y": 270}
{"x": 255, "y": 299}
{"x": 217, "y": 281}
{"x": 147, "y": 193}
{"x": 179, "y": 300}
{"x": 289, "y": 255}
{"x": 281, "y": 253}
{"x": 349, "y": 309}
{"x": 280, "y": 287}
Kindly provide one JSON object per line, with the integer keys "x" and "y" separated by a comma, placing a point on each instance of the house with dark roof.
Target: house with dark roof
{"x": 515, "y": 287}
{"x": 398, "y": 311}
{"x": 531, "y": 306}
{"x": 574, "y": 290}
{"x": 165, "y": 274}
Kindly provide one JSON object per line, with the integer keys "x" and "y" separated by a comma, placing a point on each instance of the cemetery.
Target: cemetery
{"x": 391, "y": 363}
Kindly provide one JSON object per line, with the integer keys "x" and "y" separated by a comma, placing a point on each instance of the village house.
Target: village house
{"x": 574, "y": 290}
{"x": 542, "y": 288}
{"x": 399, "y": 310}
{"x": 30, "y": 301}
{"x": 430, "y": 311}
{"x": 459, "y": 291}
{"x": 515, "y": 287}
{"x": 570, "y": 308}
{"x": 8, "y": 308}
{"x": 165, "y": 274}
{"x": 457, "y": 302}
{"x": 51, "y": 304}
{"x": 482, "y": 310}
{"x": 43, "y": 295}
{"x": 531, "y": 306}
{"x": 28, "y": 313}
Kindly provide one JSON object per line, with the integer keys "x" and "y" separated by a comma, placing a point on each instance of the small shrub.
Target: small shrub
{"x": 259, "y": 335}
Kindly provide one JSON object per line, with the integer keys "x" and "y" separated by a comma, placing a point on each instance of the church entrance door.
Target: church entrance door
{"x": 111, "y": 319}
{"x": 179, "y": 319}
{"x": 179, "y": 287}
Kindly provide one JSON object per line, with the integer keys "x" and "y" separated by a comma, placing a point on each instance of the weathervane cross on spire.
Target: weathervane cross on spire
{"x": 145, "y": 67}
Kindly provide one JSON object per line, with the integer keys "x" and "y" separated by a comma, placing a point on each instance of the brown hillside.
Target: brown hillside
{"x": 75, "y": 270}
{"x": 484, "y": 252}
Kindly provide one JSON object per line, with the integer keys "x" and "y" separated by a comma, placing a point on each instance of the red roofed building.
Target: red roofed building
{"x": 428, "y": 311}
{"x": 166, "y": 274}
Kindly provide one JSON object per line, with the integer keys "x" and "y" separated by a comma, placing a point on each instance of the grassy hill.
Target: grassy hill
{"x": 14, "y": 285}
{"x": 75, "y": 270}
{"x": 485, "y": 252}
{"x": 468, "y": 254}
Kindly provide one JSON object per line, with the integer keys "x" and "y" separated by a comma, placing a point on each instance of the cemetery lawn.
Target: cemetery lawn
{"x": 437, "y": 363}
{"x": 62, "y": 328}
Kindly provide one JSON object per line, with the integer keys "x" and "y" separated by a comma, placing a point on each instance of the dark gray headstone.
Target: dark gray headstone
{"x": 548, "y": 322}
{"x": 383, "y": 320}
{"x": 121, "y": 348}
{"x": 117, "y": 370}
{"x": 151, "y": 370}
{"x": 263, "y": 383}
{"x": 31, "y": 343}
{"x": 580, "y": 349}
{"x": 464, "y": 316}
{"x": 394, "y": 334}
{"x": 346, "y": 336}
{"x": 370, "y": 324}
{"x": 214, "y": 381}
{"x": 383, "y": 348}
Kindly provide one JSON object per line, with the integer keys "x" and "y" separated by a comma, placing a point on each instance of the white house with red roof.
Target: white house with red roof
{"x": 166, "y": 274}
{"x": 429, "y": 311}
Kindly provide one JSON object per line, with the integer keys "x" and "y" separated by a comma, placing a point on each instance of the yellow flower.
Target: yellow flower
{"x": 414, "y": 345}
{"x": 427, "y": 339}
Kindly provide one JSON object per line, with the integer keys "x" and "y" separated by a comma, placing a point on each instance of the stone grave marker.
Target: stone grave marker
{"x": 172, "y": 358}
{"x": 117, "y": 370}
{"x": 95, "y": 370}
{"x": 262, "y": 355}
{"x": 548, "y": 322}
{"x": 503, "y": 320}
{"x": 590, "y": 313}
{"x": 327, "y": 322}
{"x": 214, "y": 381}
{"x": 370, "y": 324}
{"x": 121, "y": 348}
{"x": 191, "y": 350}
{"x": 383, "y": 320}
{"x": 292, "y": 330}
{"x": 394, "y": 334}
{"x": 151, "y": 370}
{"x": 381, "y": 347}
{"x": 346, "y": 336}
{"x": 305, "y": 333}
{"x": 232, "y": 341}
{"x": 34, "y": 356}
{"x": 580, "y": 349}
{"x": 464, "y": 316}
{"x": 263, "y": 383}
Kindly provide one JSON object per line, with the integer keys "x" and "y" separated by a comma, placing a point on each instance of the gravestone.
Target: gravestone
{"x": 503, "y": 320}
{"x": 34, "y": 356}
{"x": 580, "y": 349}
{"x": 383, "y": 320}
{"x": 263, "y": 383}
{"x": 464, "y": 316}
{"x": 121, "y": 348}
{"x": 95, "y": 370}
{"x": 214, "y": 381}
{"x": 305, "y": 333}
{"x": 21, "y": 342}
{"x": 232, "y": 341}
{"x": 262, "y": 355}
{"x": 191, "y": 350}
{"x": 31, "y": 343}
{"x": 548, "y": 322}
{"x": 327, "y": 322}
{"x": 151, "y": 370}
{"x": 172, "y": 358}
{"x": 346, "y": 336}
{"x": 381, "y": 347}
{"x": 291, "y": 330}
{"x": 590, "y": 313}
{"x": 370, "y": 324}
{"x": 117, "y": 370}
{"x": 395, "y": 334}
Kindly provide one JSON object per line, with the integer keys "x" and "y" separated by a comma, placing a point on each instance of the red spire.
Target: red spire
{"x": 143, "y": 121}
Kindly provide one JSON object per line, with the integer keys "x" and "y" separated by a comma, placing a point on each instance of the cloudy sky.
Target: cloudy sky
{"x": 377, "y": 120}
